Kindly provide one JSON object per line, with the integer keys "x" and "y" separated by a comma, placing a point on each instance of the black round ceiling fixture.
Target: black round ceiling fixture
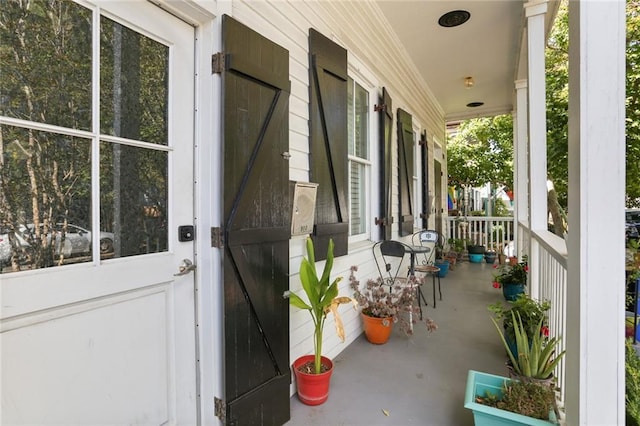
{"x": 475, "y": 104}
{"x": 454, "y": 18}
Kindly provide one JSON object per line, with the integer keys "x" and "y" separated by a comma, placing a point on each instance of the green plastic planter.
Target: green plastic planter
{"x": 477, "y": 385}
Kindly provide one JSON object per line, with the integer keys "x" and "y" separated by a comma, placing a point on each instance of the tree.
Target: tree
{"x": 481, "y": 153}
{"x": 557, "y": 80}
{"x": 557, "y": 83}
{"x": 633, "y": 104}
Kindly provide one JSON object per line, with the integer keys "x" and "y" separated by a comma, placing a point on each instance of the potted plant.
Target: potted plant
{"x": 443, "y": 265}
{"x": 529, "y": 397}
{"x": 529, "y": 310}
{"x": 490, "y": 256}
{"x": 383, "y": 305}
{"x": 476, "y": 252}
{"x": 313, "y": 372}
{"x": 498, "y": 400}
{"x": 457, "y": 245}
{"x": 511, "y": 278}
{"x": 533, "y": 358}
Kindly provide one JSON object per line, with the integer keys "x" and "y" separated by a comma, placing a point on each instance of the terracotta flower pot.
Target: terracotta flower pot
{"x": 313, "y": 389}
{"x": 377, "y": 330}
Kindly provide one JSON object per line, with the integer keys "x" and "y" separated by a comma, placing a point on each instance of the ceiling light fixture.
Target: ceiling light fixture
{"x": 454, "y": 18}
{"x": 475, "y": 104}
{"x": 468, "y": 82}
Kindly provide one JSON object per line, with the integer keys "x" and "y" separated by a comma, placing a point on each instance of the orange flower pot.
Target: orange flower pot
{"x": 377, "y": 330}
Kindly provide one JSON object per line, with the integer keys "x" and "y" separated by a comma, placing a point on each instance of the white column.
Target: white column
{"x": 595, "y": 308}
{"x": 521, "y": 175}
{"x": 535, "y": 12}
{"x": 521, "y": 166}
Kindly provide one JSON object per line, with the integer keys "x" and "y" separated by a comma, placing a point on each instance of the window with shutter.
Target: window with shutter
{"x": 359, "y": 159}
{"x": 328, "y": 143}
{"x": 405, "y": 172}
{"x": 425, "y": 206}
{"x": 384, "y": 108}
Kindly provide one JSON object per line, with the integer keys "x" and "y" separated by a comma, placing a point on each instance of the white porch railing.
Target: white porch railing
{"x": 552, "y": 285}
{"x": 492, "y": 232}
{"x": 547, "y": 264}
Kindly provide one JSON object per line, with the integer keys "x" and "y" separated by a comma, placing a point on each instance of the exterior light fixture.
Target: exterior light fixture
{"x": 454, "y": 18}
{"x": 468, "y": 82}
{"x": 474, "y": 104}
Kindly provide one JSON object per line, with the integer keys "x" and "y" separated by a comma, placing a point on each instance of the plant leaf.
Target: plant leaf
{"x": 309, "y": 281}
{"x": 296, "y": 301}
{"x": 331, "y": 293}
{"x": 310, "y": 251}
{"x": 329, "y": 264}
{"x": 337, "y": 319}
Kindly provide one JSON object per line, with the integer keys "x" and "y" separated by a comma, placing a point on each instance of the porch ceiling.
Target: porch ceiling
{"x": 486, "y": 48}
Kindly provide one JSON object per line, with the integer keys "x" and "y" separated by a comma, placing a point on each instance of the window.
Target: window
{"x": 359, "y": 158}
{"x": 56, "y": 145}
{"x": 417, "y": 191}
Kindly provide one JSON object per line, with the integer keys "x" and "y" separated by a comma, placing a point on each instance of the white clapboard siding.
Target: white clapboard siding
{"x": 360, "y": 28}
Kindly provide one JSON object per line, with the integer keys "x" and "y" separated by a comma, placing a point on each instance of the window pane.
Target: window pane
{"x": 45, "y": 199}
{"x": 358, "y": 202}
{"x": 361, "y": 122}
{"x": 134, "y": 78}
{"x": 350, "y": 116}
{"x": 45, "y": 62}
{"x": 133, "y": 198}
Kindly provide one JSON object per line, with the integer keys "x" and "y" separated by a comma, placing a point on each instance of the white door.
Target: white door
{"x": 97, "y": 119}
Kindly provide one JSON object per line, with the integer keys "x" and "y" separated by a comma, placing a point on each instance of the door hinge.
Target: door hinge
{"x": 219, "y": 408}
{"x": 217, "y": 63}
{"x": 217, "y": 240}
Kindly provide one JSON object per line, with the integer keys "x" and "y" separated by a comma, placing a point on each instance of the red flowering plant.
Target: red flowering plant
{"x": 533, "y": 314}
{"x": 511, "y": 274}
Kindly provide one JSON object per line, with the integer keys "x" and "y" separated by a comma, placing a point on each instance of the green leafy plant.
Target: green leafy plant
{"x": 632, "y": 385}
{"x": 511, "y": 274}
{"x": 457, "y": 244}
{"x": 322, "y": 295}
{"x": 529, "y": 310}
{"x": 535, "y": 354}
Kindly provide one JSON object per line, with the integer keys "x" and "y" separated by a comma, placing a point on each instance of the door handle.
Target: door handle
{"x": 186, "y": 267}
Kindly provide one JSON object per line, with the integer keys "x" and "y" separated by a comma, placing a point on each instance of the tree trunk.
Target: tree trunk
{"x": 556, "y": 213}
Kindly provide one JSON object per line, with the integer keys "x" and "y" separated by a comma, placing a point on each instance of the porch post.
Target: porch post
{"x": 535, "y": 12}
{"x": 595, "y": 295}
{"x": 521, "y": 167}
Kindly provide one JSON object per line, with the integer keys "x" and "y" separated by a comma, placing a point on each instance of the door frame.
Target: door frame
{"x": 208, "y": 207}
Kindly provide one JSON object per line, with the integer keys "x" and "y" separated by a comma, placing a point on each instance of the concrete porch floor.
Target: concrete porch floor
{"x": 418, "y": 379}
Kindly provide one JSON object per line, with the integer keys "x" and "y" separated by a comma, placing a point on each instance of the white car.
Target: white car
{"x": 75, "y": 241}
{"x": 23, "y": 248}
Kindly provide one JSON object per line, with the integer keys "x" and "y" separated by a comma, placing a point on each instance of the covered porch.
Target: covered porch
{"x": 418, "y": 379}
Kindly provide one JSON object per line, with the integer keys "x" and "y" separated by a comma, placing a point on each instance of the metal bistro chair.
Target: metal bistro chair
{"x": 425, "y": 264}
{"x": 390, "y": 257}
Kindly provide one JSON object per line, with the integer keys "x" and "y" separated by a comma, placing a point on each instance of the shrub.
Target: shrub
{"x": 632, "y": 386}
